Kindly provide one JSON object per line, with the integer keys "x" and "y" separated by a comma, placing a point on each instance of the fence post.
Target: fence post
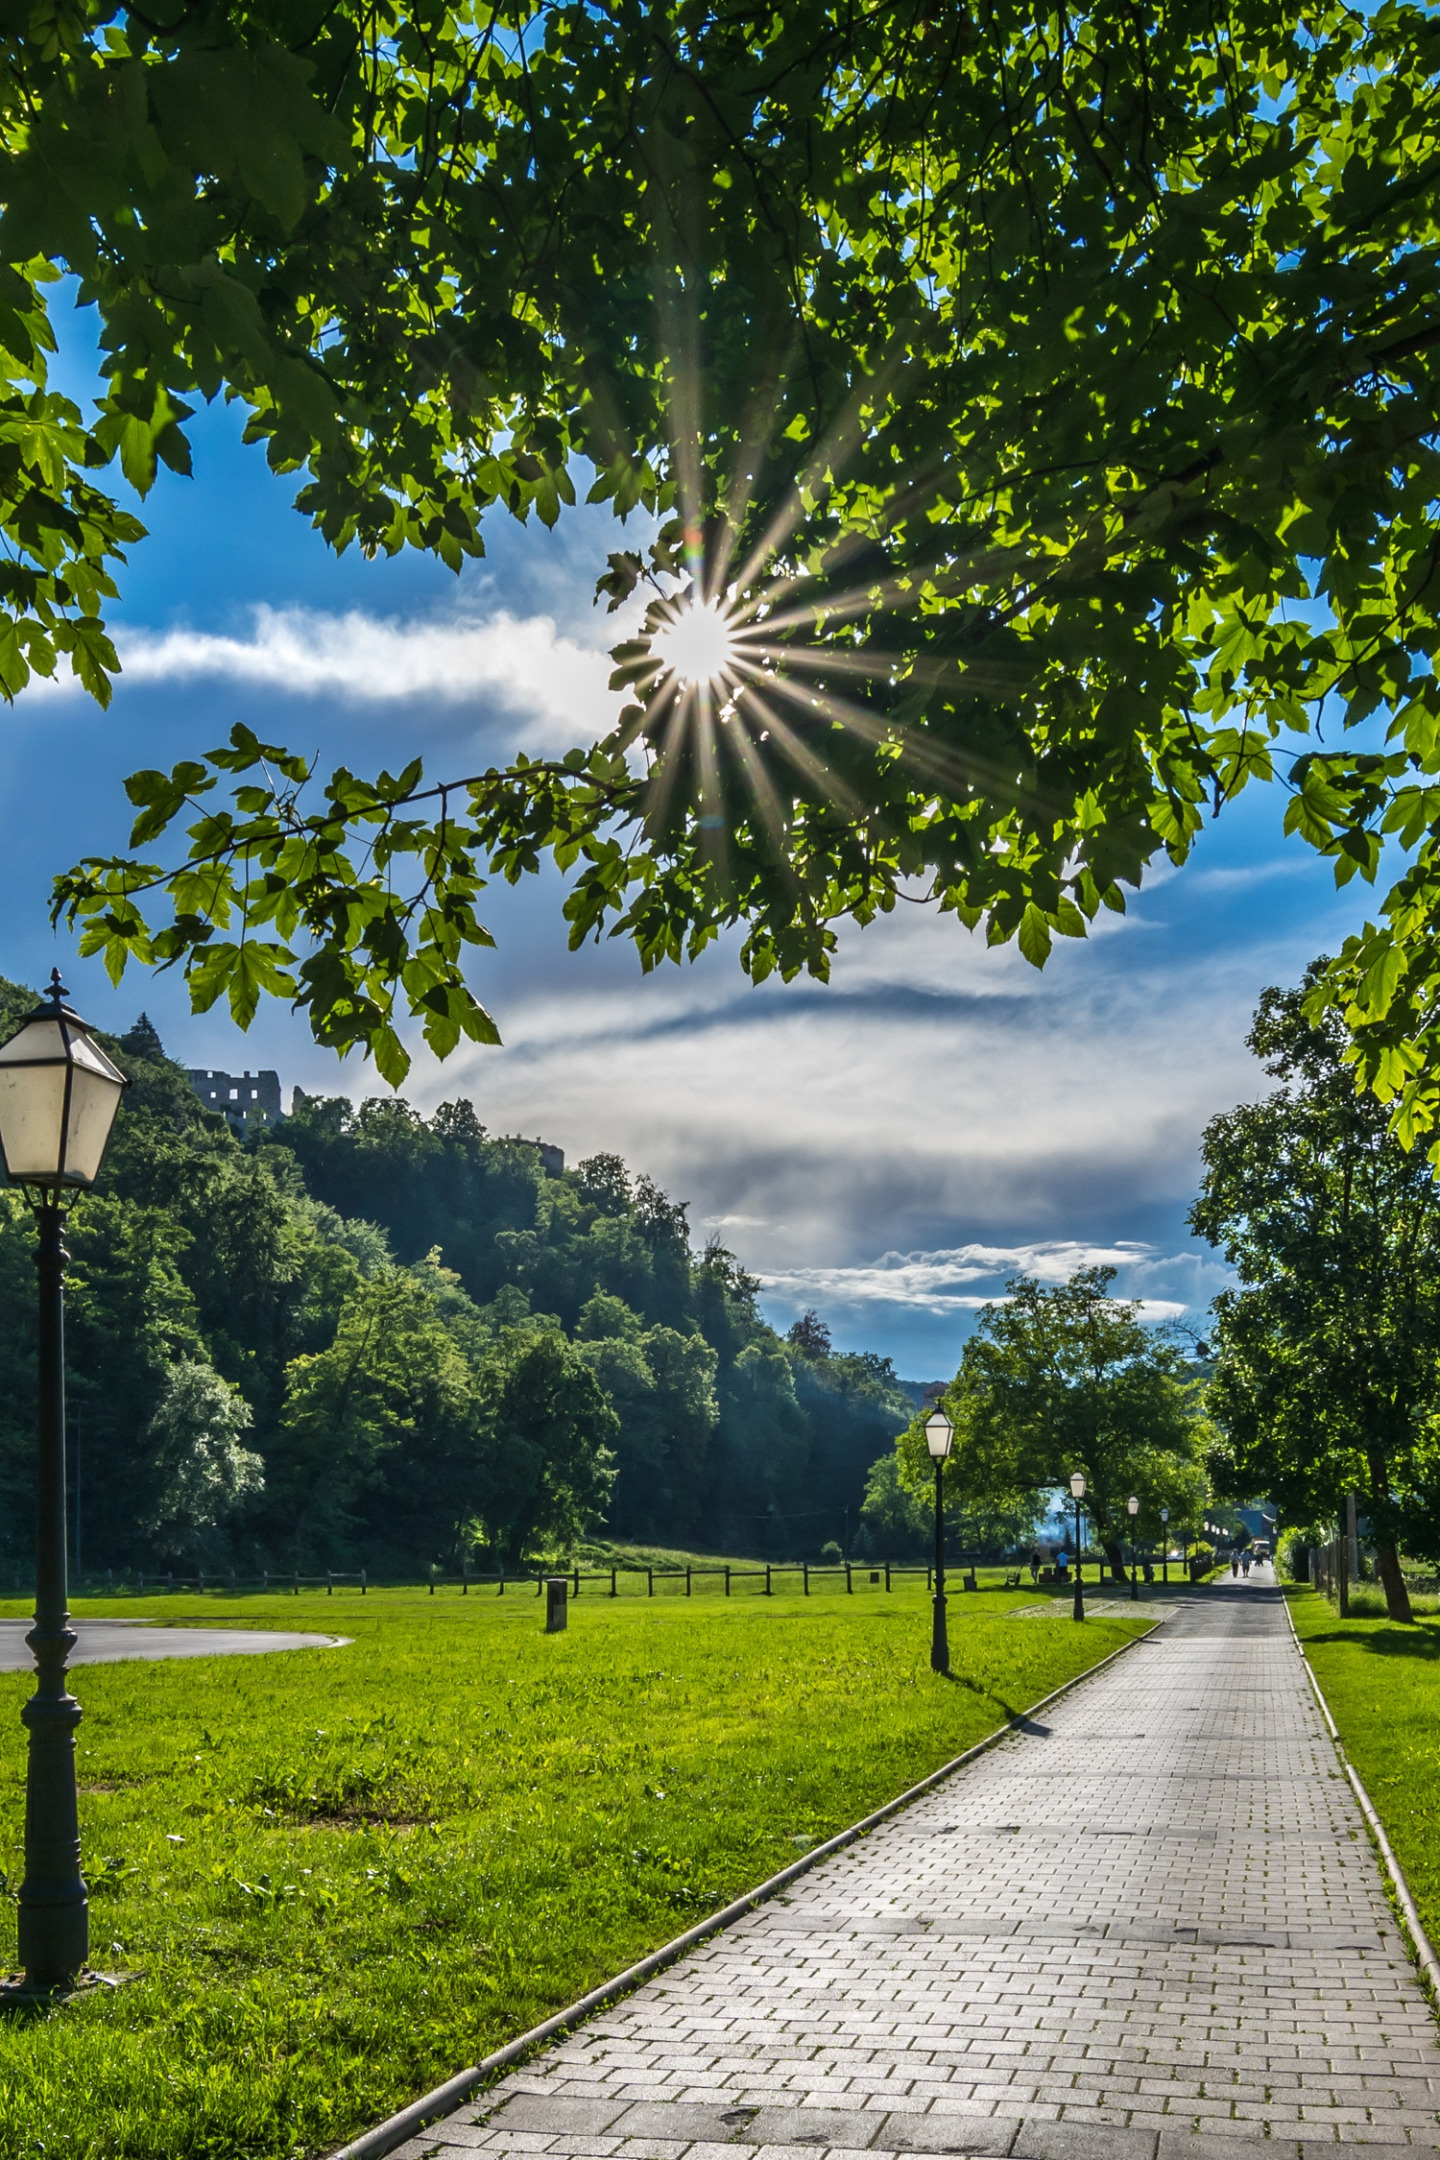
{"x": 767, "y": 1578}
{"x": 850, "y": 1587}
{"x": 465, "y": 1578}
{"x": 501, "y": 1591}
{"x": 687, "y": 1578}
{"x": 265, "y": 1579}
{"x": 200, "y": 1572}
{"x": 329, "y": 1583}
{"x": 805, "y": 1572}
{"x": 577, "y": 1582}
{"x": 887, "y": 1575}
{"x": 432, "y": 1578}
{"x": 649, "y": 1582}
{"x": 727, "y": 1580}
{"x": 362, "y": 1582}
{"x": 928, "y": 1573}
{"x": 614, "y": 1585}
{"x": 169, "y": 1580}
{"x": 297, "y": 1582}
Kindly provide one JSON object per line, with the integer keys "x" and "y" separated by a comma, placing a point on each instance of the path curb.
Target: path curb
{"x": 433, "y": 2106}
{"x": 1420, "y": 1943}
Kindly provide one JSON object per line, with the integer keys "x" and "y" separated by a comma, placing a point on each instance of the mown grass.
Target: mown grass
{"x": 1382, "y": 1682}
{"x": 344, "y": 1874}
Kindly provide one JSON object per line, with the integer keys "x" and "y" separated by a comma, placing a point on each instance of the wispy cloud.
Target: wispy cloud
{"x": 938, "y": 1282}
{"x": 523, "y": 663}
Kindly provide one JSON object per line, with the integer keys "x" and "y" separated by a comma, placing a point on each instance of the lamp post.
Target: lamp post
{"x": 1077, "y": 1492}
{"x": 1132, "y": 1508}
{"x": 1165, "y": 1543}
{"x": 58, "y": 1097}
{"x": 939, "y": 1433}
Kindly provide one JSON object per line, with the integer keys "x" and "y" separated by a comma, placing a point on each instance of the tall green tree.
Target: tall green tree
{"x": 1051, "y": 399}
{"x": 1328, "y": 1378}
{"x": 1065, "y": 1377}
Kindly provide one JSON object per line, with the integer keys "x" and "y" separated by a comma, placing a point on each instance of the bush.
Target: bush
{"x": 1292, "y": 1559}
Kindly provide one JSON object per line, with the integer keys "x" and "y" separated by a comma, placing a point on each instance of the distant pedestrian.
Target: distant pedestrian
{"x": 1035, "y": 1566}
{"x": 1234, "y": 1563}
{"x": 1062, "y": 1568}
{"x": 1245, "y": 1563}
{"x": 1149, "y": 1572}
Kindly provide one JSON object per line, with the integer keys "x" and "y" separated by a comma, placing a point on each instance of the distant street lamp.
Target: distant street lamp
{"x": 1132, "y": 1506}
{"x": 58, "y": 1097}
{"x": 1077, "y": 1490}
{"x": 1165, "y": 1542}
{"x": 939, "y": 1433}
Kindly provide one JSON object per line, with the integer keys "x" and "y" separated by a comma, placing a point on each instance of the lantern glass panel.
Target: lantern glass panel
{"x": 94, "y": 1098}
{"x": 939, "y": 1432}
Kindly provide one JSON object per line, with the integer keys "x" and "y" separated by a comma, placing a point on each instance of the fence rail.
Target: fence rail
{"x": 623, "y": 1579}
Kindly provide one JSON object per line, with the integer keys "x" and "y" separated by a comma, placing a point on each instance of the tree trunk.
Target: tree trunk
{"x": 1118, "y": 1568}
{"x": 1397, "y": 1597}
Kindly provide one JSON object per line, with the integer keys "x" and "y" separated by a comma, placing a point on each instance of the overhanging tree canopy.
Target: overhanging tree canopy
{"x": 1052, "y": 395}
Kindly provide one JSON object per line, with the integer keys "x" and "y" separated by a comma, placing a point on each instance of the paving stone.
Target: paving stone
{"x": 553, "y": 2112}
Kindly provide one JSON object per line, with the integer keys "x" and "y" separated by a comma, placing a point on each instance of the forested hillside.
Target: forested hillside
{"x": 370, "y": 1339}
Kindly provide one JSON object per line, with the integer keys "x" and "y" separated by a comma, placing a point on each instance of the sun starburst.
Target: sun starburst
{"x": 696, "y": 645}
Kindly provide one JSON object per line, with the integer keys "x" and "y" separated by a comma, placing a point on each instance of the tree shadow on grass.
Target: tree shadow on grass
{"x": 1388, "y": 1639}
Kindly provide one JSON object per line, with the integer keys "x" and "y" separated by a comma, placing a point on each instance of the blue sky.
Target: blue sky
{"x": 886, "y": 1148}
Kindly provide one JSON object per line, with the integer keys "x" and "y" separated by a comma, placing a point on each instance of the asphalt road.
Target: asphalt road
{"x": 106, "y": 1642}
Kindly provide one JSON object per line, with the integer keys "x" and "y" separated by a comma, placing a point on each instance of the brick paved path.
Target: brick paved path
{"x": 1150, "y": 1928}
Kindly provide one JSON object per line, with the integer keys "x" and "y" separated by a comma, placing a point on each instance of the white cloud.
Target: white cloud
{"x": 523, "y": 663}
{"x": 934, "y": 1282}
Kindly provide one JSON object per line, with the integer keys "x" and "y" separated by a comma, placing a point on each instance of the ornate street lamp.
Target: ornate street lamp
{"x": 1165, "y": 1543}
{"x": 1132, "y": 1508}
{"x": 1077, "y": 1491}
{"x": 58, "y": 1097}
{"x": 939, "y": 1433}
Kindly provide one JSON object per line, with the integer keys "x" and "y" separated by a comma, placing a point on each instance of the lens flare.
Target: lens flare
{"x": 696, "y": 645}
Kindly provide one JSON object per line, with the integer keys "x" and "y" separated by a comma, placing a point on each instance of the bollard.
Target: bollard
{"x": 727, "y": 1582}
{"x": 501, "y": 1591}
{"x": 329, "y": 1583}
{"x": 465, "y": 1578}
{"x": 614, "y": 1587}
{"x": 849, "y": 1586}
{"x": 687, "y": 1578}
{"x": 297, "y": 1582}
{"x": 767, "y": 1578}
{"x": 805, "y": 1573}
{"x": 362, "y": 1582}
{"x": 887, "y": 1575}
{"x": 577, "y": 1582}
{"x": 649, "y": 1582}
{"x": 556, "y": 1615}
{"x": 432, "y": 1580}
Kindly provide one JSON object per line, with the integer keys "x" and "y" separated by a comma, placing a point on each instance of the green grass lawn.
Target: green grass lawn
{"x": 1382, "y": 1683}
{"x": 344, "y": 1874}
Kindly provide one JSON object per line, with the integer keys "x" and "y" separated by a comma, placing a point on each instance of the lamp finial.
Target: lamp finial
{"x": 58, "y": 991}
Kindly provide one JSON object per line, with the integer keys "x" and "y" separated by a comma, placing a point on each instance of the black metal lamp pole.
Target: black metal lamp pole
{"x": 1077, "y": 1488}
{"x": 54, "y": 1914}
{"x": 939, "y": 1433}
{"x": 1134, "y": 1507}
{"x": 58, "y": 1096}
